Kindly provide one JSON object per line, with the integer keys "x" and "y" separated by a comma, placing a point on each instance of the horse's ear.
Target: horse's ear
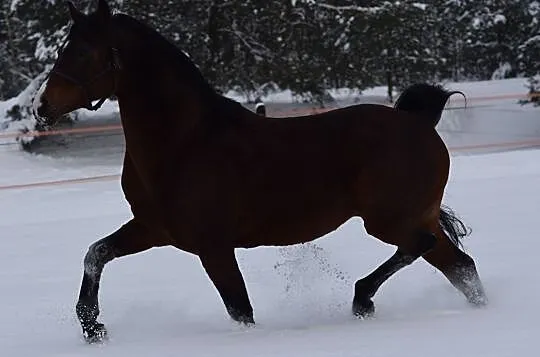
{"x": 103, "y": 10}
{"x": 73, "y": 12}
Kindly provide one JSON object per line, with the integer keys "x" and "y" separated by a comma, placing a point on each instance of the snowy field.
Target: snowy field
{"x": 301, "y": 294}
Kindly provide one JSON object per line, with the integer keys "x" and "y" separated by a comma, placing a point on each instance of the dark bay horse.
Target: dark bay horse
{"x": 205, "y": 175}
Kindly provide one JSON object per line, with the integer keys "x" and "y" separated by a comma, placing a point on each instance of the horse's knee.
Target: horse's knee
{"x": 98, "y": 254}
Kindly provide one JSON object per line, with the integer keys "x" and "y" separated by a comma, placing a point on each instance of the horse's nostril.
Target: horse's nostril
{"x": 42, "y": 108}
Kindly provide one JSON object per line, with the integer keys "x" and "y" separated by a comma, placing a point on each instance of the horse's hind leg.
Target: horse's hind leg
{"x": 365, "y": 288}
{"x": 131, "y": 238}
{"x": 222, "y": 268}
{"x": 458, "y": 267}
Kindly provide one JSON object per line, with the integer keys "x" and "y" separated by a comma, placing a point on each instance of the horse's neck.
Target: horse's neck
{"x": 155, "y": 99}
{"x": 161, "y": 114}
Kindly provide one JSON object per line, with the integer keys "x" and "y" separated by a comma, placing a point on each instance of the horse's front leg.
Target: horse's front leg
{"x": 222, "y": 268}
{"x": 131, "y": 238}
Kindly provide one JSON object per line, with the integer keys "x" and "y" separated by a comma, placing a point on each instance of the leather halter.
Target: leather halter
{"x": 113, "y": 65}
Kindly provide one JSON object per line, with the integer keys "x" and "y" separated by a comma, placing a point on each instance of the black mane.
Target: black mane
{"x": 218, "y": 105}
{"x": 173, "y": 52}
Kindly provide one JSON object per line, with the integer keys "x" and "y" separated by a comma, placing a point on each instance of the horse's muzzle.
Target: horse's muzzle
{"x": 44, "y": 112}
{"x": 42, "y": 109}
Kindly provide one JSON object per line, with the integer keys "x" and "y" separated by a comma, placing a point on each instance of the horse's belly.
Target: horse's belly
{"x": 291, "y": 228}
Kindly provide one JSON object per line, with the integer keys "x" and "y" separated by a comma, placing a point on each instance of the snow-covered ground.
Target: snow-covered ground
{"x": 161, "y": 303}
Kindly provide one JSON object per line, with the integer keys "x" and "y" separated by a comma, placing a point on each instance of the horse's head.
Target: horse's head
{"x": 84, "y": 70}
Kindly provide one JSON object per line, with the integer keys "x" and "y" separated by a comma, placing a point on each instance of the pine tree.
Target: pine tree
{"x": 303, "y": 45}
{"x": 403, "y": 48}
{"x": 529, "y": 49}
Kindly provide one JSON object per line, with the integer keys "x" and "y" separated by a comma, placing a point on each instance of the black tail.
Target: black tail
{"x": 425, "y": 99}
{"x": 453, "y": 226}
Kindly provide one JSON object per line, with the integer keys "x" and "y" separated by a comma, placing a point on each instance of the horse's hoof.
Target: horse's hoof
{"x": 478, "y": 300}
{"x": 245, "y": 325}
{"x": 242, "y": 317}
{"x": 364, "y": 309}
{"x": 97, "y": 333}
{"x": 247, "y": 321}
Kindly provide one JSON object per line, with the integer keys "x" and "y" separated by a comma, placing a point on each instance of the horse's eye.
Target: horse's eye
{"x": 80, "y": 54}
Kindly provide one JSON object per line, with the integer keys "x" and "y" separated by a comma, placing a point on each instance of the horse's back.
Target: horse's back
{"x": 358, "y": 135}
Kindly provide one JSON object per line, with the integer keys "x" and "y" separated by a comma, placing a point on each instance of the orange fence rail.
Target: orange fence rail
{"x": 113, "y": 177}
{"x": 60, "y": 182}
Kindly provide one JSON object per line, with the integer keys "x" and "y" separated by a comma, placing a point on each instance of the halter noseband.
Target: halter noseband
{"x": 113, "y": 65}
